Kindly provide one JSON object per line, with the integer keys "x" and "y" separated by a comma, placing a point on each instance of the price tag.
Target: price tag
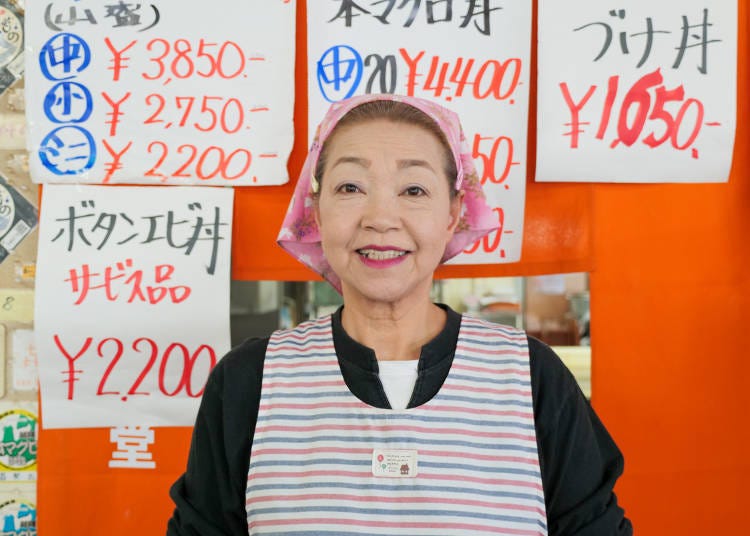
{"x": 132, "y": 293}
{"x": 645, "y": 92}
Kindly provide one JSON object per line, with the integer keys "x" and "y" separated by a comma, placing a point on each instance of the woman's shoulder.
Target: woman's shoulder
{"x": 242, "y": 363}
{"x": 548, "y": 370}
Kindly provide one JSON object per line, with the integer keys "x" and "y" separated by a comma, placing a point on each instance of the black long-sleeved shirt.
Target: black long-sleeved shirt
{"x": 579, "y": 460}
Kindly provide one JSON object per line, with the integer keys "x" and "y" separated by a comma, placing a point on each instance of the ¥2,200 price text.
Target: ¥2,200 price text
{"x": 206, "y": 164}
{"x": 178, "y": 368}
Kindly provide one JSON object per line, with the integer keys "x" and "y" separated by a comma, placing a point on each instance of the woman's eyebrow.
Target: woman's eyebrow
{"x": 413, "y": 162}
{"x": 366, "y": 163}
{"x": 363, "y": 162}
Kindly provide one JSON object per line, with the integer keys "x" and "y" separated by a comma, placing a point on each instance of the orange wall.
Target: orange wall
{"x": 671, "y": 369}
{"x": 670, "y": 299}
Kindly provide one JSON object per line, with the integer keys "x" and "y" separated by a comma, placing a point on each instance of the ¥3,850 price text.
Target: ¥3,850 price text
{"x": 176, "y": 366}
{"x": 183, "y": 59}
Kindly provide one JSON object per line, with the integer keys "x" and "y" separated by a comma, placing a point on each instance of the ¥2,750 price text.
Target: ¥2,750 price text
{"x": 205, "y": 114}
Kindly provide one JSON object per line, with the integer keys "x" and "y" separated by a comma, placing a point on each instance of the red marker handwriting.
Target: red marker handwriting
{"x": 177, "y": 361}
{"x": 122, "y": 277}
{"x": 182, "y": 59}
{"x": 115, "y": 113}
{"x": 114, "y": 164}
{"x": 491, "y": 78}
{"x": 648, "y": 103}
{"x": 206, "y": 164}
{"x": 497, "y": 162}
{"x": 491, "y": 243}
{"x": 118, "y": 60}
{"x": 72, "y": 371}
{"x": 205, "y": 113}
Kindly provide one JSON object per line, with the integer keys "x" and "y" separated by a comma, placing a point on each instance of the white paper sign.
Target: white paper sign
{"x": 639, "y": 92}
{"x": 132, "y": 302}
{"x": 472, "y": 57}
{"x": 176, "y": 92}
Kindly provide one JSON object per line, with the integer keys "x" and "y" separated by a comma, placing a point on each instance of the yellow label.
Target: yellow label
{"x": 17, "y": 305}
{"x": 28, "y": 271}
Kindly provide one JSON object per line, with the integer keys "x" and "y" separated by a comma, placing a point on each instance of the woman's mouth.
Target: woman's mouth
{"x": 381, "y": 255}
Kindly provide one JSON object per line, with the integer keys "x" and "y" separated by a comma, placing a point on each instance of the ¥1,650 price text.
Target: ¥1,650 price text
{"x": 643, "y": 114}
{"x": 178, "y": 368}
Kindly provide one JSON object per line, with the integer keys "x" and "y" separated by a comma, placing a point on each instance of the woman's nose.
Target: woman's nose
{"x": 380, "y": 212}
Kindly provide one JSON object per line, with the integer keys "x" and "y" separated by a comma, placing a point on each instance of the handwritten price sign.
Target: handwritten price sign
{"x": 132, "y": 302}
{"x": 472, "y": 57}
{"x": 645, "y": 93}
{"x": 160, "y": 93}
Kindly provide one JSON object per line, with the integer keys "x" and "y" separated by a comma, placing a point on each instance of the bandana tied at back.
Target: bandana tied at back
{"x": 299, "y": 234}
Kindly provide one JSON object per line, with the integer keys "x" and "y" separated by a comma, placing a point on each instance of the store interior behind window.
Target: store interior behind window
{"x": 553, "y": 308}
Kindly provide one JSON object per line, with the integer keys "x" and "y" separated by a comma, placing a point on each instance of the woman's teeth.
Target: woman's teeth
{"x": 381, "y": 255}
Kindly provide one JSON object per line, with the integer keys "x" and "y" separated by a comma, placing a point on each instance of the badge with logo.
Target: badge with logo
{"x": 18, "y": 447}
{"x": 18, "y": 518}
{"x": 390, "y": 463}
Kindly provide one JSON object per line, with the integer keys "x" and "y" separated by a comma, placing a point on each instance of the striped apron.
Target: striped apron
{"x": 465, "y": 463}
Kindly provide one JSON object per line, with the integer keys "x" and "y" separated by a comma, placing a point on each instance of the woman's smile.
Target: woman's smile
{"x": 381, "y": 257}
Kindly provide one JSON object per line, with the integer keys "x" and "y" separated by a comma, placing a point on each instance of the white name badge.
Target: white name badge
{"x": 394, "y": 463}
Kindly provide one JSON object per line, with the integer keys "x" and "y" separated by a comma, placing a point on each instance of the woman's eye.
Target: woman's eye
{"x": 414, "y": 191}
{"x": 348, "y": 188}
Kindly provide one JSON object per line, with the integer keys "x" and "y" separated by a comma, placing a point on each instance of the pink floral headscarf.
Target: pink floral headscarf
{"x": 299, "y": 234}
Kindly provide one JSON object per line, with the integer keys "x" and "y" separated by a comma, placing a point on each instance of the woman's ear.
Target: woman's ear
{"x": 456, "y": 206}
{"x": 316, "y": 209}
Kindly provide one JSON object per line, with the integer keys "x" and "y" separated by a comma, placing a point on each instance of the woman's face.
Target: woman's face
{"x": 384, "y": 210}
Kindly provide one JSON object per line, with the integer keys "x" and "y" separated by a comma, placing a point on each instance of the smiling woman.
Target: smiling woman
{"x": 394, "y": 415}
